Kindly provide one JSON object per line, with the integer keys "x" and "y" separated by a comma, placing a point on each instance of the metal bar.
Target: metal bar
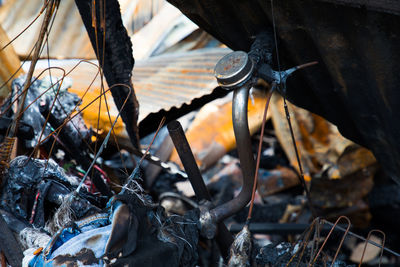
{"x": 247, "y": 163}
{"x": 277, "y": 228}
{"x": 38, "y": 47}
{"x": 223, "y": 237}
{"x": 363, "y": 239}
{"x": 188, "y": 161}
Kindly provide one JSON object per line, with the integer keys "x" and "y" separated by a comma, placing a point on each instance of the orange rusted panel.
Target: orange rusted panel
{"x": 319, "y": 142}
{"x": 9, "y": 65}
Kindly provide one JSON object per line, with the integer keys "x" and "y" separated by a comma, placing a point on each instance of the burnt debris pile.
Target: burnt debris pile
{"x": 67, "y": 200}
{"x": 160, "y": 146}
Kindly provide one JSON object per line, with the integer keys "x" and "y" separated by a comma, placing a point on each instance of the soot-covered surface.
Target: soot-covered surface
{"x": 356, "y": 44}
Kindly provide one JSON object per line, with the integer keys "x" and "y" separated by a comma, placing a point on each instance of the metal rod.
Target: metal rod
{"x": 329, "y": 235}
{"x": 38, "y": 46}
{"x": 366, "y": 244}
{"x": 189, "y": 163}
{"x": 277, "y": 228}
{"x": 247, "y": 163}
{"x": 223, "y": 237}
{"x": 364, "y": 239}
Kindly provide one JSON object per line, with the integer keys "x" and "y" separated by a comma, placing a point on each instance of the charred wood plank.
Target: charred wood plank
{"x": 113, "y": 47}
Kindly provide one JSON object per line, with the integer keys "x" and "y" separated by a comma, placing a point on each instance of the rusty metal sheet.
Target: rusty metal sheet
{"x": 319, "y": 142}
{"x": 173, "y": 80}
{"x": 169, "y": 26}
{"x": 9, "y": 65}
{"x": 68, "y": 37}
{"x": 136, "y": 14}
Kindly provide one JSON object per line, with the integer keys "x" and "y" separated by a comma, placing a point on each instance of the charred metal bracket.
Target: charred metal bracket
{"x": 271, "y": 76}
{"x": 238, "y": 71}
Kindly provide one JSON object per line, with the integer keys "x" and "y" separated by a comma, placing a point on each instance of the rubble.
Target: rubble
{"x": 221, "y": 184}
{"x": 128, "y": 227}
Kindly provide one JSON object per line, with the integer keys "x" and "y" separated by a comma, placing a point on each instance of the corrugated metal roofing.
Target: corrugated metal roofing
{"x": 172, "y": 80}
{"x": 160, "y": 82}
